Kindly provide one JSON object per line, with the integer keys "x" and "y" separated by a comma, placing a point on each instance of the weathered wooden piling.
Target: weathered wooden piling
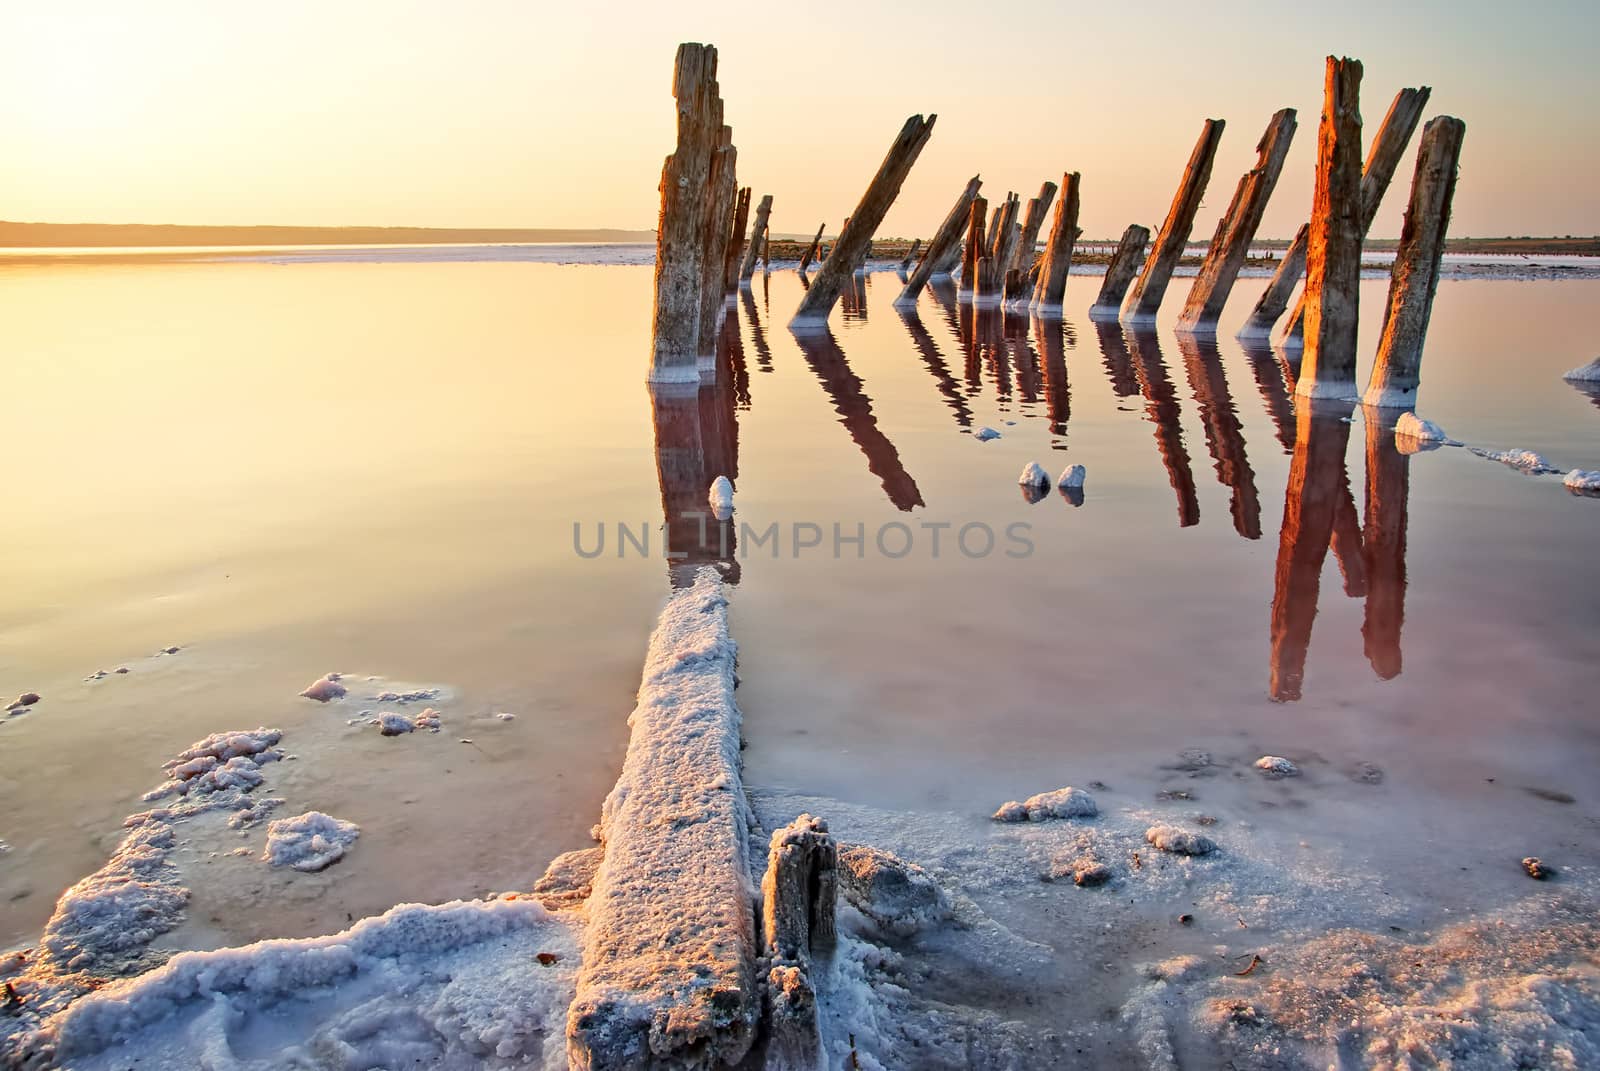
{"x": 735, "y": 257}
{"x": 911, "y": 254}
{"x": 854, "y": 240}
{"x": 1275, "y": 298}
{"x": 722, "y": 192}
{"x": 681, "y": 232}
{"x": 1032, "y": 224}
{"x": 1151, "y": 286}
{"x": 757, "y": 230}
{"x": 1005, "y": 238}
{"x": 1237, "y": 227}
{"x": 1120, "y": 272}
{"x": 973, "y": 251}
{"x": 1002, "y": 237}
{"x": 1415, "y": 276}
{"x": 799, "y": 894}
{"x": 1051, "y": 285}
{"x": 811, "y": 250}
{"x": 945, "y": 240}
{"x": 1383, "y": 159}
{"x": 1333, "y": 252}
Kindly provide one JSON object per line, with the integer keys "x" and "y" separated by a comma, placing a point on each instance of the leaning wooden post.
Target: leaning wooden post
{"x": 916, "y": 244}
{"x": 1151, "y": 286}
{"x": 766, "y": 249}
{"x": 1237, "y": 229}
{"x": 722, "y": 191}
{"x": 1005, "y": 238}
{"x": 811, "y": 250}
{"x": 1120, "y": 272}
{"x": 1276, "y": 296}
{"x": 974, "y": 247}
{"x": 1333, "y": 254}
{"x": 852, "y": 243}
{"x": 681, "y": 230}
{"x": 1001, "y": 238}
{"x": 1388, "y": 148}
{"x": 1415, "y": 276}
{"x": 757, "y": 229}
{"x": 741, "y": 216}
{"x": 1052, "y": 285}
{"x": 944, "y": 240}
{"x": 1032, "y": 224}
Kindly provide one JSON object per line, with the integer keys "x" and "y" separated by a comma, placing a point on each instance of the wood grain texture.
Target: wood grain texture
{"x": 1144, "y": 299}
{"x": 1333, "y": 251}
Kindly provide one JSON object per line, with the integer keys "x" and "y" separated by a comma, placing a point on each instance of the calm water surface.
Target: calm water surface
{"x": 377, "y": 469}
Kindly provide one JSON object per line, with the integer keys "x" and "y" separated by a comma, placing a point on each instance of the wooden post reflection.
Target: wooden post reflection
{"x": 1161, "y": 405}
{"x": 1025, "y": 360}
{"x": 697, "y": 440}
{"x": 1275, "y": 392}
{"x": 1309, "y": 507}
{"x": 1058, "y": 394}
{"x": 1384, "y": 545}
{"x": 758, "y": 334}
{"x": 928, "y": 349}
{"x": 1224, "y": 433}
{"x": 854, "y": 407}
{"x": 992, "y": 336}
{"x": 1114, "y": 355}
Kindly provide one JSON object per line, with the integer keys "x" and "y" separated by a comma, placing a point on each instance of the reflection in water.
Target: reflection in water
{"x": 853, "y": 299}
{"x": 850, "y": 401}
{"x": 971, "y": 350}
{"x": 758, "y": 334}
{"x": 697, "y": 440}
{"x": 1114, "y": 355}
{"x": 1384, "y": 546}
{"x": 1224, "y": 433}
{"x": 929, "y": 351}
{"x": 1274, "y": 391}
{"x": 1022, "y": 355}
{"x": 1057, "y": 393}
{"x": 1588, "y": 388}
{"x": 992, "y": 338}
{"x": 1161, "y": 405}
{"x": 1310, "y": 503}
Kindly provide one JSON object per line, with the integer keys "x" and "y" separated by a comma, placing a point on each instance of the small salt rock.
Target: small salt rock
{"x": 325, "y": 689}
{"x": 1088, "y": 873}
{"x": 1179, "y": 841}
{"x": 721, "y": 498}
{"x": 985, "y": 433}
{"x": 505, "y": 716}
{"x": 1011, "y": 811}
{"x": 1277, "y": 766}
{"x": 1034, "y": 475}
{"x": 1072, "y": 478}
{"x": 170, "y": 650}
{"x": 1536, "y": 869}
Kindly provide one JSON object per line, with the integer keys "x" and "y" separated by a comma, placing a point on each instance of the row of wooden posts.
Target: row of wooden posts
{"x": 704, "y": 218}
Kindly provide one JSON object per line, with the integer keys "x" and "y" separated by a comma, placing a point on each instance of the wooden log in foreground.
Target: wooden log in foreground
{"x": 757, "y": 230}
{"x": 1276, "y": 296}
{"x": 799, "y": 896}
{"x": 1237, "y": 228}
{"x": 721, "y": 193}
{"x": 811, "y": 250}
{"x": 854, "y": 240}
{"x": 911, "y": 255}
{"x": 668, "y": 977}
{"x": 974, "y": 247}
{"x": 1120, "y": 272}
{"x": 1151, "y": 286}
{"x": 1333, "y": 253}
{"x": 681, "y": 229}
{"x": 946, "y": 239}
{"x": 1415, "y": 276}
{"x": 741, "y": 216}
{"x": 1052, "y": 283}
{"x": 1388, "y": 148}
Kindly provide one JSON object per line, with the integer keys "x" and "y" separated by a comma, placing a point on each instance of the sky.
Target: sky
{"x": 491, "y": 113}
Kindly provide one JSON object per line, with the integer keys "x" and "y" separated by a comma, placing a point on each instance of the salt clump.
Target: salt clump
{"x": 1277, "y": 766}
{"x": 1073, "y": 477}
{"x": 1179, "y": 841}
{"x": 1583, "y": 481}
{"x": 1589, "y": 373}
{"x": 1525, "y": 461}
{"x": 325, "y": 689}
{"x": 985, "y": 433}
{"x": 1066, "y": 802}
{"x": 1034, "y": 476}
{"x": 721, "y": 498}
{"x": 309, "y": 841}
{"x": 1410, "y": 430}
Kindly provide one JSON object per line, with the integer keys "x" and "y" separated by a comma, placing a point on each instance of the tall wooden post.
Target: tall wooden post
{"x": 721, "y": 191}
{"x": 1275, "y": 298}
{"x": 1120, "y": 272}
{"x": 1415, "y": 276}
{"x": 1151, "y": 286}
{"x": 1388, "y": 148}
{"x": 1333, "y": 254}
{"x": 1032, "y": 224}
{"x": 1052, "y": 284}
{"x": 1002, "y": 237}
{"x": 973, "y": 251}
{"x": 945, "y": 239}
{"x": 1237, "y": 228}
{"x": 757, "y": 229}
{"x": 857, "y": 234}
{"x": 811, "y": 250}
{"x": 681, "y": 229}
{"x": 741, "y": 216}
{"x": 911, "y": 254}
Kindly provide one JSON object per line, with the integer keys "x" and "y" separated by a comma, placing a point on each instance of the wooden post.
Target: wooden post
{"x": 1276, "y": 296}
{"x": 1333, "y": 254}
{"x": 1001, "y": 238}
{"x": 855, "y": 238}
{"x": 945, "y": 239}
{"x": 1119, "y": 273}
{"x": 811, "y": 250}
{"x": 757, "y": 229}
{"x": 1005, "y": 238}
{"x": 1052, "y": 284}
{"x": 1032, "y": 224}
{"x": 1151, "y": 286}
{"x": 799, "y": 895}
{"x": 916, "y": 244}
{"x": 974, "y": 247}
{"x": 1237, "y": 228}
{"x": 766, "y": 249}
{"x": 722, "y": 191}
{"x": 1388, "y": 148}
{"x": 1415, "y": 276}
{"x": 741, "y": 216}
{"x": 681, "y": 229}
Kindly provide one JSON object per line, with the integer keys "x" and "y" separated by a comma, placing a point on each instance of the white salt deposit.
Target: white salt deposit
{"x": 1589, "y": 373}
{"x": 506, "y": 716}
{"x": 309, "y": 841}
{"x": 1179, "y": 841}
{"x": 1411, "y": 427}
{"x": 228, "y": 760}
{"x": 1277, "y": 766}
{"x": 1072, "y": 478}
{"x": 721, "y": 498}
{"x": 1583, "y": 481}
{"x": 325, "y": 688}
{"x": 391, "y": 724}
{"x": 1525, "y": 461}
{"x": 1034, "y": 475}
{"x": 415, "y": 695}
{"x": 985, "y": 433}
{"x": 1066, "y": 802}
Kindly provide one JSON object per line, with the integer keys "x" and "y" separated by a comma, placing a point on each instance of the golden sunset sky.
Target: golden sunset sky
{"x": 492, "y": 113}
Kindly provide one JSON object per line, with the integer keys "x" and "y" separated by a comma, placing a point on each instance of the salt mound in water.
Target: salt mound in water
{"x": 309, "y": 842}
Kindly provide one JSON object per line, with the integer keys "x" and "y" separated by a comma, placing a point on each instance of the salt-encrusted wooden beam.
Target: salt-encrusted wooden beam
{"x": 1120, "y": 272}
{"x": 1333, "y": 254}
{"x": 1052, "y": 282}
{"x": 1151, "y": 286}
